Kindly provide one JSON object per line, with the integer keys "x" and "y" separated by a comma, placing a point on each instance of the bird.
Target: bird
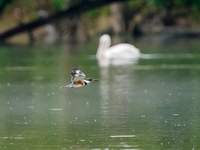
{"x": 78, "y": 79}
{"x": 123, "y": 50}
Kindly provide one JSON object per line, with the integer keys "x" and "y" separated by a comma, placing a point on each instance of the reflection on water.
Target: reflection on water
{"x": 152, "y": 104}
{"x": 117, "y": 62}
{"x": 114, "y": 84}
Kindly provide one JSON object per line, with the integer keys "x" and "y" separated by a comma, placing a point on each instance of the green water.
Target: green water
{"x": 150, "y": 105}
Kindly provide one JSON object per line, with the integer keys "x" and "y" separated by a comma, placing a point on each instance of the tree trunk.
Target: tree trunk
{"x": 117, "y": 10}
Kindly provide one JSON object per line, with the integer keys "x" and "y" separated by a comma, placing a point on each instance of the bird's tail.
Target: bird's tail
{"x": 90, "y": 79}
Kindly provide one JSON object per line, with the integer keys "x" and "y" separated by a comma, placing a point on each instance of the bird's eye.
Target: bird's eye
{"x": 80, "y": 72}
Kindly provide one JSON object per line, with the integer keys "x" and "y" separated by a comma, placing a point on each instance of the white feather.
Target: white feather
{"x": 118, "y": 51}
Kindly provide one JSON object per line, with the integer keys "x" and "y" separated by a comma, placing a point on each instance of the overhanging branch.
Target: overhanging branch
{"x": 69, "y": 12}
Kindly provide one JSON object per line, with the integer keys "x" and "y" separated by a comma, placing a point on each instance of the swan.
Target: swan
{"x": 123, "y": 50}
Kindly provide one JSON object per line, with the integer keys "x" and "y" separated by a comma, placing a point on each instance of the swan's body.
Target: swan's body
{"x": 117, "y": 51}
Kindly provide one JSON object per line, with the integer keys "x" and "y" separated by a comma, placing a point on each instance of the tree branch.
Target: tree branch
{"x": 84, "y": 6}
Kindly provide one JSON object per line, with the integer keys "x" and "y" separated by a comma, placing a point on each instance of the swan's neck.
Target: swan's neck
{"x": 103, "y": 45}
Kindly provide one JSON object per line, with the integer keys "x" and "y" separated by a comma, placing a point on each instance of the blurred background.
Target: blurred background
{"x": 176, "y": 18}
{"x": 148, "y": 103}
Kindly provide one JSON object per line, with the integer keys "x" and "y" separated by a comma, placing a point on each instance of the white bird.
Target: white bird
{"x": 123, "y": 50}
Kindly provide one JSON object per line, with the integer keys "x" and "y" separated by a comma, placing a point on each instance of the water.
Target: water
{"x": 150, "y": 105}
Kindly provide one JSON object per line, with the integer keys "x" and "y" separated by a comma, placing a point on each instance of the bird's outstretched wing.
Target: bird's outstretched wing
{"x": 68, "y": 86}
{"x": 77, "y": 75}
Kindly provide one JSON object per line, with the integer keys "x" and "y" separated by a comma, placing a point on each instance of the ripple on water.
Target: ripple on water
{"x": 117, "y": 136}
{"x": 18, "y": 138}
{"x": 56, "y": 109}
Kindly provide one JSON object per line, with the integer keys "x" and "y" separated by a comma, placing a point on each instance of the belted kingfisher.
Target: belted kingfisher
{"x": 78, "y": 79}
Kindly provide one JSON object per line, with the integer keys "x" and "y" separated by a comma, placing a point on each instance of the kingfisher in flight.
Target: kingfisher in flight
{"x": 78, "y": 79}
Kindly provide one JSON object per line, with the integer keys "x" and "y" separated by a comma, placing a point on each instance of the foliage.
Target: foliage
{"x": 2, "y": 1}
{"x": 4, "y": 4}
{"x": 59, "y": 4}
{"x": 194, "y": 5}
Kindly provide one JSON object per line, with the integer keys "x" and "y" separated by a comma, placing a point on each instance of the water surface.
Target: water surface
{"x": 150, "y": 105}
